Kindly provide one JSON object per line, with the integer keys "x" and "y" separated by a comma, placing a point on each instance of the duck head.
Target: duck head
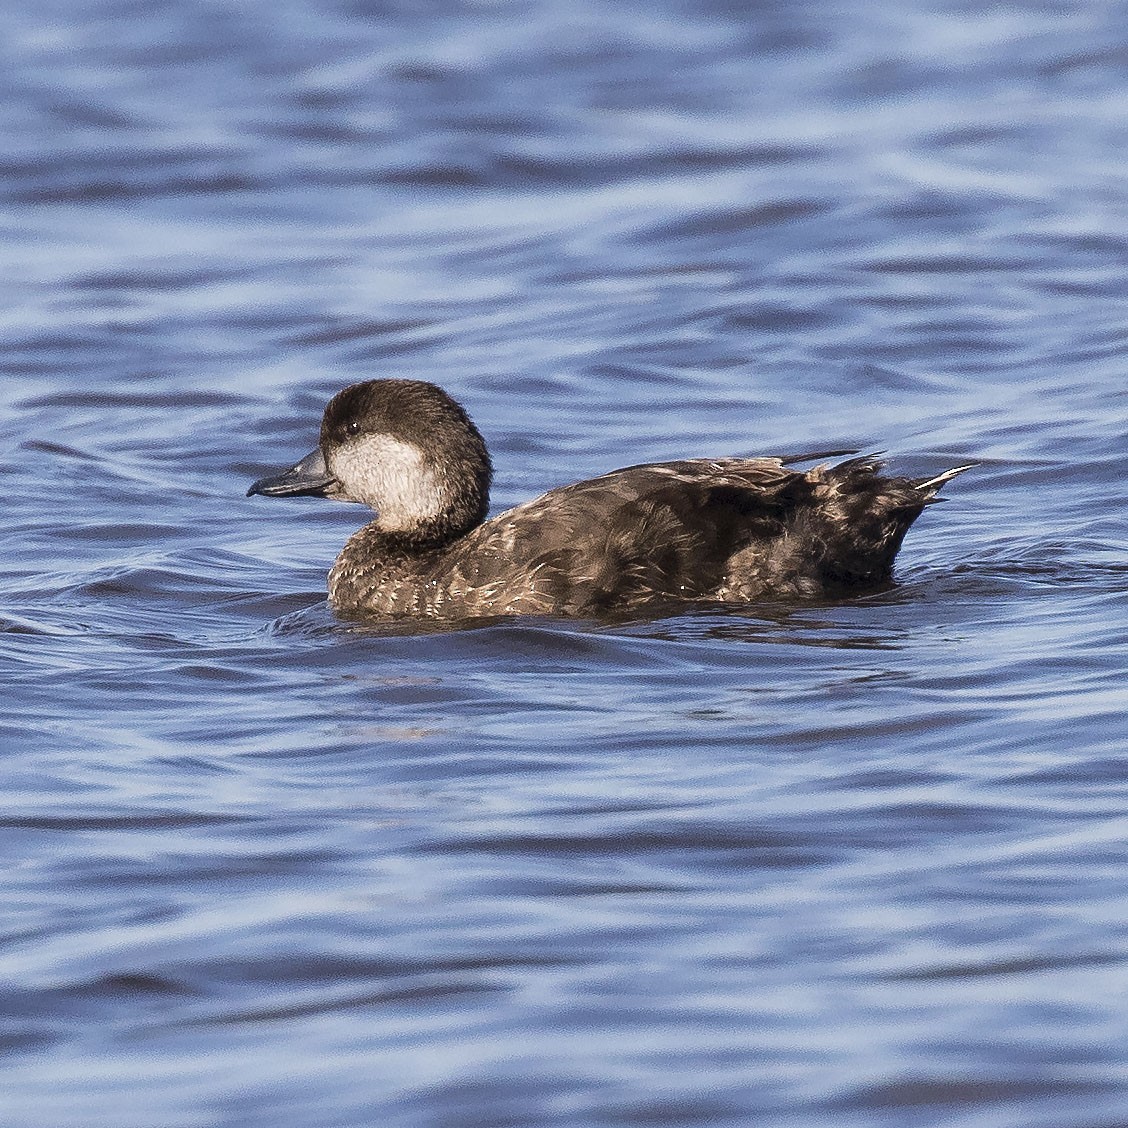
{"x": 405, "y": 449}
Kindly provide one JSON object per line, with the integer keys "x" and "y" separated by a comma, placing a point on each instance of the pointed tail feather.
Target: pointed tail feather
{"x": 930, "y": 486}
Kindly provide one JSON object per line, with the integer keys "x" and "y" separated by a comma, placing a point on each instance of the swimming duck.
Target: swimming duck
{"x": 728, "y": 530}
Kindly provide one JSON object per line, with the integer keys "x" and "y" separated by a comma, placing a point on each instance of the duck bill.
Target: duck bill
{"x": 309, "y": 478}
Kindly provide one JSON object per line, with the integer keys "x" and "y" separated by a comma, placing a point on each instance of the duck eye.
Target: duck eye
{"x": 352, "y": 427}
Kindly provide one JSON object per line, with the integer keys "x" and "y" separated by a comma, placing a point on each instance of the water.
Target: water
{"x": 860, "y": 864}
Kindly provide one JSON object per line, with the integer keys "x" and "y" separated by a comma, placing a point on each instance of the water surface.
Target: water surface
{"x": 857, "y": 864}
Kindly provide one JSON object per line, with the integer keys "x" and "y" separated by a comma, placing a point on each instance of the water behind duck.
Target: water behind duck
{"x": 856, "y": 862}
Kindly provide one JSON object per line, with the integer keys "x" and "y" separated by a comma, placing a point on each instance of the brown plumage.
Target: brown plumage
{"x": 729, "y": 530}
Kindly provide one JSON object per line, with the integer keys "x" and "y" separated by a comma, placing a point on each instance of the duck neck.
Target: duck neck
{"x": 374, "y": 544}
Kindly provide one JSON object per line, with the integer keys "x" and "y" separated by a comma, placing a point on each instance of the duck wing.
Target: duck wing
{"x": 636, "y": 535}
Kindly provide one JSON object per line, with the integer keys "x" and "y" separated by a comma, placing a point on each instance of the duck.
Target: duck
{"x": 703, "y": 531}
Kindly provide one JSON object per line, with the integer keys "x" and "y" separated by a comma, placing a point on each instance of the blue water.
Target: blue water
{"x": 859, "y": 864}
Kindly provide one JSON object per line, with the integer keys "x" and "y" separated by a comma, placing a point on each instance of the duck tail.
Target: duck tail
{"x": 859, "y": 517}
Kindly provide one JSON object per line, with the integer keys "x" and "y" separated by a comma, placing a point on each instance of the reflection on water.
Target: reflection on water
{"x": 852, "y": 863}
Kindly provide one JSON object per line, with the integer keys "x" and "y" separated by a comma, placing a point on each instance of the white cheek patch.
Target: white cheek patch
{"x": 390, "y": 476}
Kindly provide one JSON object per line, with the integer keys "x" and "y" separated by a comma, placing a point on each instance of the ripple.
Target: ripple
{"x": 978, "y": 1092}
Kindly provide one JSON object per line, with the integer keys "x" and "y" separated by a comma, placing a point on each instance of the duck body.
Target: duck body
{"x": 731, "y": 531}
